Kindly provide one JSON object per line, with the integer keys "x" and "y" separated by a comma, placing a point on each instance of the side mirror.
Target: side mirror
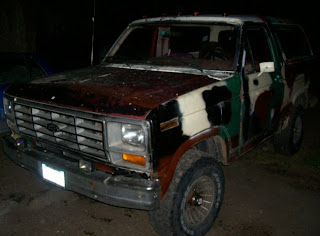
{"x": 266, "y": 67}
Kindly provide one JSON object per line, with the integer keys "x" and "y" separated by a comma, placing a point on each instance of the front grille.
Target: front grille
{"x": 68, "y": 130}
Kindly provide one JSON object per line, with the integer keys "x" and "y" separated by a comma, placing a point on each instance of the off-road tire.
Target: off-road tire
{"x": 288, "y": 141}
{"x": 197, "y": 186}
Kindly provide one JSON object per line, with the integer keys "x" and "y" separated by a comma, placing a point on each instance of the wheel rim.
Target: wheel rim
{"x": 198, "y": 201}
{"x": 297, "y": 130}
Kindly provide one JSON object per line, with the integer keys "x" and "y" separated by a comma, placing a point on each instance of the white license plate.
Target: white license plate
{"x": 53, "y": 175}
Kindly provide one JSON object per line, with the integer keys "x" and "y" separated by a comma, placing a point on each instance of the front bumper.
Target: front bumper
{"x": 117, "y": 190}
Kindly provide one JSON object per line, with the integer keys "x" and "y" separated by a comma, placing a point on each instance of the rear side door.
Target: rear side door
{"x": 301, "y": 64}
{"x": 262, "y": 82}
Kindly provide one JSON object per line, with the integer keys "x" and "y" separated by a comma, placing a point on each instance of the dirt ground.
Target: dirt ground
{"x": 266, "y": 194}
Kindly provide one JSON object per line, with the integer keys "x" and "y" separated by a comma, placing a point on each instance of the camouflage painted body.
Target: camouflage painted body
{"x": 234, "y": 112}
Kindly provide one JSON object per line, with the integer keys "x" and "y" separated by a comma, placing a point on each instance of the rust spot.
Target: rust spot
{"x": 103, "y": 167}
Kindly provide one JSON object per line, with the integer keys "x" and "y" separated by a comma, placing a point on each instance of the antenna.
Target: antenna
{"x": 92, "y": 38}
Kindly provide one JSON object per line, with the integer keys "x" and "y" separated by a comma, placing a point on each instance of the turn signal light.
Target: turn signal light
{"x": 135, "y": 159}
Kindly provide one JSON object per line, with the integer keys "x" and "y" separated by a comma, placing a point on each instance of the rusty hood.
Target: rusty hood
{"x": 110, "y": 91}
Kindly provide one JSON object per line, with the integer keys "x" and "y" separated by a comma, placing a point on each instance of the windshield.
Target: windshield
{"x": 203, "y": 47}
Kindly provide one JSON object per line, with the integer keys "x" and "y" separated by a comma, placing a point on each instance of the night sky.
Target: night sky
{"x": 61, "y": 31}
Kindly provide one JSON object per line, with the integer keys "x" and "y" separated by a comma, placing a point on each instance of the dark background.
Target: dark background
{"x": 60, "y": 31}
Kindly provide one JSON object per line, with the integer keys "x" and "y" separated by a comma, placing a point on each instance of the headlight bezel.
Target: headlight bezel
{"x": 119, "y": 146}
{"x": 115, "y": 138}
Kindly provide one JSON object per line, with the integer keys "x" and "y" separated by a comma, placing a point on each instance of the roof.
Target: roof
{"x": 234, "y": 19}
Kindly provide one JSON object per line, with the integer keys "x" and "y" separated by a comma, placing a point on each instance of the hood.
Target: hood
{"x": 110, "y": 91}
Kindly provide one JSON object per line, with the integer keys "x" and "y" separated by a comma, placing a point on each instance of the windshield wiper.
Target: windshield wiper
{"x": 183, "y": 62}
{"x": 119, "y": 57}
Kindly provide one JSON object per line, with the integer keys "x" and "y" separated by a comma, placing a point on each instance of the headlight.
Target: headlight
{"x": 133, "y": 134}
{"x": 126, "y": 137}
{"x": 127, "y": 144}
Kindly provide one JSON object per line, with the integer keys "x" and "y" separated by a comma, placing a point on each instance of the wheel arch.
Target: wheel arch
{"x": 216, "y": 147}
{"x": 300, "y": 92}
{"x": 207, "y": 143}
{"x": 299, "y": 98}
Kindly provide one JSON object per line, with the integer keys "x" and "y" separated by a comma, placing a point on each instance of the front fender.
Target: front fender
{"x": 201, "y": 142}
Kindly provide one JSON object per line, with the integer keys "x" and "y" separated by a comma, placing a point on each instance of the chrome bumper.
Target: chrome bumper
{"x": 117, "y": 190}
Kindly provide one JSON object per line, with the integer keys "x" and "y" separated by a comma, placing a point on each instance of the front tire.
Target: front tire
{"x": 193, "y": 199}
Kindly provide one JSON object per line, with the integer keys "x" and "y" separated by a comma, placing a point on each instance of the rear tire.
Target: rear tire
{"x": 288, "y": 141}
{"x": 193, "y": 199}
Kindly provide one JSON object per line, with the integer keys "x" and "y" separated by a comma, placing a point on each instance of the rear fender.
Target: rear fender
{"x": 299, "y": 92}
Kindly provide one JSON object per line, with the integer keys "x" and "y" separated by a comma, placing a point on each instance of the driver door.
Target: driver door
{"x": 263, "y": 86}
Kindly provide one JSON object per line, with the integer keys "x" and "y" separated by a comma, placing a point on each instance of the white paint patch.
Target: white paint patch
{"x": 193, "y": 109}
{"x": 193, "y": 124}
{"x": 263, "y": 83}
{"x": 272, "y": 113}
{"x": 299, "y": 87}
{"x": 199, "y": 19}
{"x": 286, "y": 92}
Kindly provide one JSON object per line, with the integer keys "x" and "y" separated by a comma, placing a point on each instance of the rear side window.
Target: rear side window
{"x": 292, "y": 41}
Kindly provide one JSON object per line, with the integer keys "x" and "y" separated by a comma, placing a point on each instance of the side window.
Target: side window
{"x": 138, "y": 44}
{"x": 257, "y": 48}
{"x": 292, "y": 40}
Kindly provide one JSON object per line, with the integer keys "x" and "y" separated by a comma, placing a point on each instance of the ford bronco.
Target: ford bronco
{"x": 174, "y": 99}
